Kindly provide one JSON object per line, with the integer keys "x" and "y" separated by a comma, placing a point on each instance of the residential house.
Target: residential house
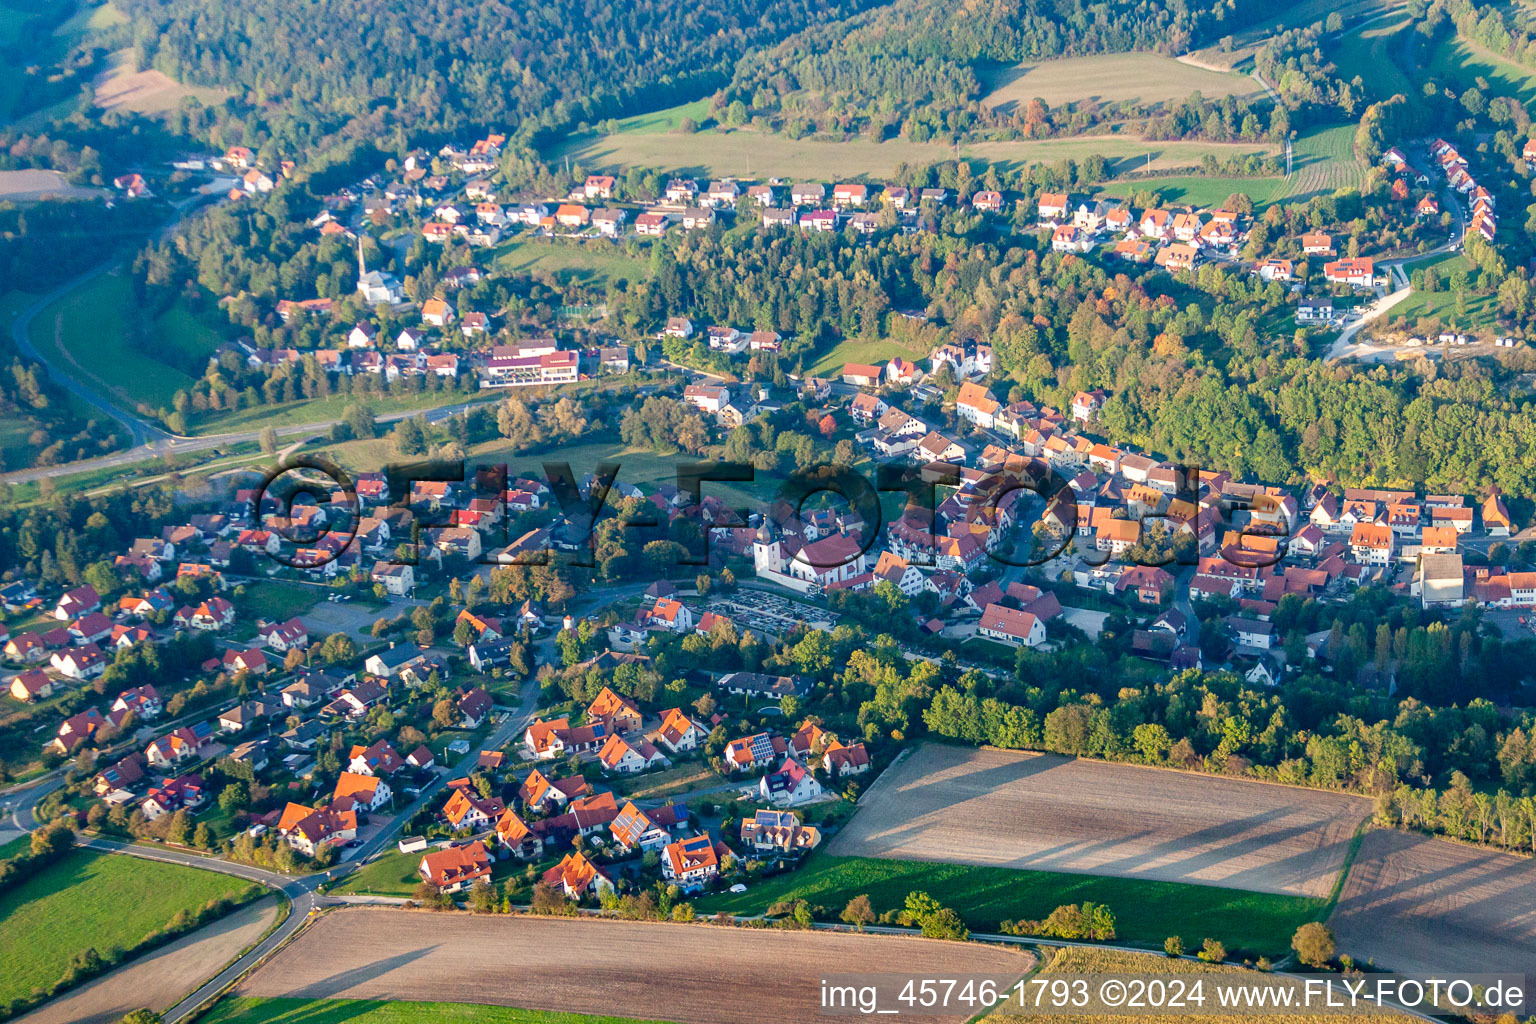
{"x": 467, "y": 809}
{"x": 625, "y": 757}
{"x": 31, "y": 686}
{"x": 457, "y": 867}
{"x": 1011, "y": 626}
{"x": 366, "y": 792}
{"x": 691, "y": 863}
{"x": 778, "y": 833}
{"x": 576, "y": 876}
{"x": 790, "y": 786}
{"x": 841, "y": 760}
{"x": 679, "y": 733}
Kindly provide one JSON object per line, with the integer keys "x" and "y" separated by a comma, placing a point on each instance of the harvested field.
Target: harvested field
{"x": 1110, "y": 961}
{"x": 1110, "y": 78}
{"x": 651, "y": 971}
{"x": 19, "y": 186}
{"x": 144, "y": 92}
{"x": 1417, "y": 904}
{"x": 160, "y": 979}
{"x": 1050, "y": 813}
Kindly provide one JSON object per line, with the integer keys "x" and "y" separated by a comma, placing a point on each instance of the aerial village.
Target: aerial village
{"x": 433, "y": 708}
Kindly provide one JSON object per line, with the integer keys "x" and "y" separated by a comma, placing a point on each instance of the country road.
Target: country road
{"x": 146, "y": 436}
{"x": 182, "y": 445}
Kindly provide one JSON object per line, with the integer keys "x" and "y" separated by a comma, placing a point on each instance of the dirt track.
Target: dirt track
{"x": 1417, "y": 904}
{"x": 1050, "y": 813}
{"x": 693, "y": 974}
{"x": 164, "y": 976}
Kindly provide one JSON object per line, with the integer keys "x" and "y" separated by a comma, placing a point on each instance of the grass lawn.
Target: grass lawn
{"x": 1464, "y": 60}
{"x": 391, "y": 874}
{"x": 15, "y": 451}
{"x": 279, "y": 602}
{"x": 584, "y": 262}
{"x": 91, "y": 19}
{"x": 90, "y": 899}
{"x": 85, "y": 332}
{"x": 1197, "y": 191}
{"x": 179, "y": 327}
{"x": 1324, "y": 161}
{"x": 1108, "y": 78}
{"x": 1481, "y": 310}
{"x": 246, "y": 1010}
{"x": 669, "y": 119}
{"x": 1146, "y": 912}
{"x": 639, "y": 466}
{"x": 682, "y": 779}
{"x": 860, "y": 350}
{"x": 757, "y": 154}
{"x": 1294, "y": 15}
{"x": 323, "y": 410}
{"x": 1371, "y": 51}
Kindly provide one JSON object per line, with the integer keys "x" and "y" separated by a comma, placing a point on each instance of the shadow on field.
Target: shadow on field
{"x": 338, "y": 984}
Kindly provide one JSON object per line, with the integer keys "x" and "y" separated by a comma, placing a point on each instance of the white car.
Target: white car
{"x": 739, "y": 887}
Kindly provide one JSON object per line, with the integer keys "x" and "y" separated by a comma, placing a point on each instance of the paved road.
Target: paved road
{"x": 145, "y": 435}
{"x": 166, "y": 444}
{"x": 1344, "y": 346}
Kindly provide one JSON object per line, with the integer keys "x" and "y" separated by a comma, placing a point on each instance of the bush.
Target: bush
{"x": 935, "y": 920}
{"x": 1173, "y": 946}
{"x": 1212, "y": 952}
{"x": 1313, "y": 943}
{"x": 1087, "y": 921}
{"x": 858, "y": 912}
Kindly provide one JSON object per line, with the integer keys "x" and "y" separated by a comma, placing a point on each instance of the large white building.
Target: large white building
{"x": 816, "y": 565}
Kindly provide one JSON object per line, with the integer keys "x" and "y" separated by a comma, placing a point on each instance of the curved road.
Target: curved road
{"x": 144, "y": 433}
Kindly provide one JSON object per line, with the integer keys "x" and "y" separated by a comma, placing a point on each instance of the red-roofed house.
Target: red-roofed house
{"x": 690, "y": 863}
{"x": 457, "y": 867}
{"x": 1010, "y": 626}
{"x": 576, "y": 877}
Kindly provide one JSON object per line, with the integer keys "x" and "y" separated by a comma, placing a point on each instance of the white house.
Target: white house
{"x": 791, "y": 785}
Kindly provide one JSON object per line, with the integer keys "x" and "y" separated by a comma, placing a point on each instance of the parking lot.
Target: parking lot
{"x": 770, "y": 614}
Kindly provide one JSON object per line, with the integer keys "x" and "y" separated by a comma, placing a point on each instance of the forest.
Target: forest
{"x": 913, "y": 68}
{"x": 357, "y": 69}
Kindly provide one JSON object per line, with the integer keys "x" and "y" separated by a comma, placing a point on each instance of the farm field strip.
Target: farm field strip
{"x": 1109, "y": 78}
{"x": 1110, "y": 961}
{"x": 91, "y": 899}
{"x": 1416, "y": 903}
{"x": 161, "y": 978}
{"x": 1049, "y": 813}
{"x": 361, "y": 1011}
{"x": 770, "y": 975}
{"x": 1325, "y": 161}
{"x": 1146, "y": 912}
